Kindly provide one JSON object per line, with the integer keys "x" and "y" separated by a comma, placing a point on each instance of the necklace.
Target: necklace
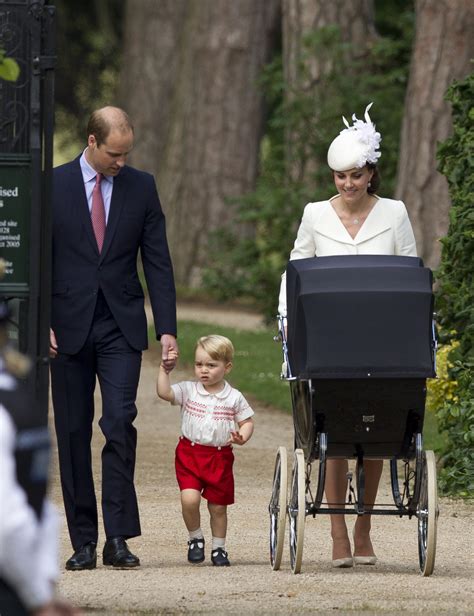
{"x": 358, "y": 218}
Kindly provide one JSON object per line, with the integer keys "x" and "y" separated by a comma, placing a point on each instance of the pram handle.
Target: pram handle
{"x": 286, "y": 373}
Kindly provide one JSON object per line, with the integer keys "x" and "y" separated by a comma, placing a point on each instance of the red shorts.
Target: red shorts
{"x": 206, "y": 469}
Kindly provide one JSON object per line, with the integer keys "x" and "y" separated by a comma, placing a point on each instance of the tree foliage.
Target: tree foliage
{"x": 252, "y": 267}
{"x": 456, "y": 294}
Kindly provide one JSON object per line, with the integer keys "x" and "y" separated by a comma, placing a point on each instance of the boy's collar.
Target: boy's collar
{"x": 223, "y": 393}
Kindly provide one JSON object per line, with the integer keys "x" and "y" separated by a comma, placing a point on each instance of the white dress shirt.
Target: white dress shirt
{"x": 28, "y": 546}
{"x": 206, "y": 418}
{"x": 89, "y": 175}
{"x": 385, "y": 231}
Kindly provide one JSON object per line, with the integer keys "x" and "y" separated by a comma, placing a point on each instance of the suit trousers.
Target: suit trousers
{"x": 107, "y": 356}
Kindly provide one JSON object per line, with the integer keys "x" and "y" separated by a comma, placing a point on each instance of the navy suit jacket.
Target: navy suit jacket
{"x": 136, "y": 223}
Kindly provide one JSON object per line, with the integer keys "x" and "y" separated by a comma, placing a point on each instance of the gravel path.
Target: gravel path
{"x": 166, "y": 584}
{"x": 215, "y": 315}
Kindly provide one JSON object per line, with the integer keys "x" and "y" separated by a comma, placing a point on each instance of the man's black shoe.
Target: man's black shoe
{"x": 196, "y": 550}
{"x": 83, "y": 558}
{"x": 117, "y": 554}
{"x": 219, "y": 558}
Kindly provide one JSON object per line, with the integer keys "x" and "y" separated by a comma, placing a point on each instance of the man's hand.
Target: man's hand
{"x": 169, "y": 351}
{"x": 53, "y": 345}
{"x": 172, "y": 358}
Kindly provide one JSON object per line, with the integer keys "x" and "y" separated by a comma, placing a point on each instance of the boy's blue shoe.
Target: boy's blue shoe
{"x": 219, "y": 558}
{"x": 196, "y": 551}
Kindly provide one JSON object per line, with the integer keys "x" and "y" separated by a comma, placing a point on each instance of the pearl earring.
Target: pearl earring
{"x": 369, "y": 184}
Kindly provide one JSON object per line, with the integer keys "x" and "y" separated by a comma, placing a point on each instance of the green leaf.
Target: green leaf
{"x": 9, "y": 69}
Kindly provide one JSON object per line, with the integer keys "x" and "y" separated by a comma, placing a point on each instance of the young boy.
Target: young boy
{"x": 210, "y": 410}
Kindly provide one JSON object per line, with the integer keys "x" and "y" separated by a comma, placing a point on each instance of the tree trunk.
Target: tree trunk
{"x": 444, "y": 46}
{"x": 355, "y": 20}
{"x": 197, "y": 110}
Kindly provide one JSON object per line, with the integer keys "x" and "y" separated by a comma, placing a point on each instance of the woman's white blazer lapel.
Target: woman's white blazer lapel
{"x": 330, "y": 226}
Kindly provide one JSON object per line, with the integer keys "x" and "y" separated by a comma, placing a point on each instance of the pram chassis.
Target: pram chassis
{"x": 414, "y": 494}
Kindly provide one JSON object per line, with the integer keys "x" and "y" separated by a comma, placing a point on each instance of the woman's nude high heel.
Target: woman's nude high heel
{"x": 363, "y": 560}
{"x": 343, "y": 563}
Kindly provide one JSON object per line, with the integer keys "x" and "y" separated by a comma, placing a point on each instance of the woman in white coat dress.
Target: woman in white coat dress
{"x": 355, "y": 221}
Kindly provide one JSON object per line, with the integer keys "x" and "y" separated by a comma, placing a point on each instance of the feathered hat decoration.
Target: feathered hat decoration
{"x": 356, "y": 145}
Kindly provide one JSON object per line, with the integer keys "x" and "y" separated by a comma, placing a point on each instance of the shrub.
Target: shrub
{"x": 443, "y": 388}
{"x": 455, "y": 296}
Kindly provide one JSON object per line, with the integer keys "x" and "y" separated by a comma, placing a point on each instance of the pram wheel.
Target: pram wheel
{"x": 427, "y": 514}
{"x": 277, "y": 508}
{"x": 359, "y": 393}
{"x": 297, "y": 511}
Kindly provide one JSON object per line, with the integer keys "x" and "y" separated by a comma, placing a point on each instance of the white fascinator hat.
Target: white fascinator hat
{"x": 356, "y": 145}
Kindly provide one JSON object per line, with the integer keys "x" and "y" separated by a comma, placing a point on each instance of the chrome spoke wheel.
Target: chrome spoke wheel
{"x": 297, "y": 511}
{"x": 277, "y": 508}
{"x": 427, "y": 514}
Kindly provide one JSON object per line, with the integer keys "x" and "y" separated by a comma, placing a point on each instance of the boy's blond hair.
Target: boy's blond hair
{"x": 217, "y": 347}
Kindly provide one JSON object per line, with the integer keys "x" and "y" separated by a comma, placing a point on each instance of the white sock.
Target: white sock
{"x": 195, "y": 534}
{"x": 218, "y": 542}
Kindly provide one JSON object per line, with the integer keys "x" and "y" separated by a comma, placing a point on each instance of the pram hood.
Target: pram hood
{"x": 364, "y": 316}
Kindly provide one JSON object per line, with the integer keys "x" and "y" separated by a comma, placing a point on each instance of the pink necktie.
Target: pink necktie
{"x": 98, "y": 212}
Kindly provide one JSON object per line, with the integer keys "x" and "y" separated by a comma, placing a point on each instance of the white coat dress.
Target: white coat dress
{"x": 385, "y": 231}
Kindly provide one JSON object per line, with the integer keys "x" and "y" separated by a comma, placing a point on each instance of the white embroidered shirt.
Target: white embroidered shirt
{"x": 206, "y": 418}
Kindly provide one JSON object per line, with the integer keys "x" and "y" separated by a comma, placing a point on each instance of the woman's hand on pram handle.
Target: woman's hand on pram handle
{"x": 282, "y": 335}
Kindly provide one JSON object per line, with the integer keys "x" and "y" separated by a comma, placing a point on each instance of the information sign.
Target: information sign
{"x": 15, "y": 200}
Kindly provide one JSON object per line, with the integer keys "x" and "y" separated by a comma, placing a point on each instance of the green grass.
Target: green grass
{"x": 257, "y": 364}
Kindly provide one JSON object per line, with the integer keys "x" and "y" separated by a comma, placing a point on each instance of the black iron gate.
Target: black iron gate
{"x": 27, "y": 34}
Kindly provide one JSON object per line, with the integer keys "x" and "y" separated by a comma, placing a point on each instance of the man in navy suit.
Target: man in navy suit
{"x": 99, "y": 328}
